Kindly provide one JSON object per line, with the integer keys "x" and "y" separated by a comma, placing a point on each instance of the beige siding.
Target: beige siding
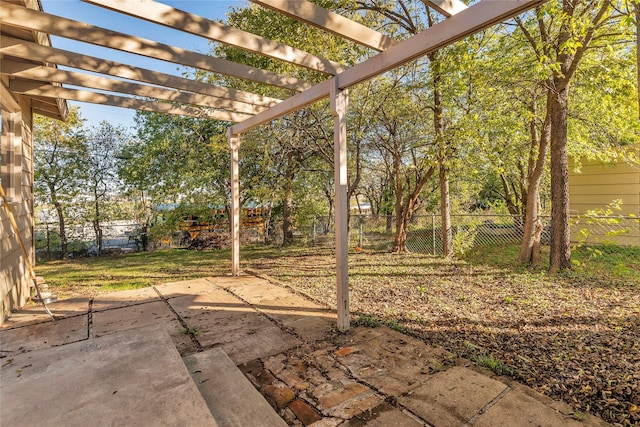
{"x": 595, "y": 187}
{"x": 598, "y": 185}
{"x": 14, "y": 272}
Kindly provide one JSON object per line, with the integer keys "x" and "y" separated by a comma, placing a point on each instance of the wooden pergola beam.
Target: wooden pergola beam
{"x": 471, "y": 20}
{"x": 30, "y": 88}
{"x": 177, "y": 19}
{"x": 33, "y": 20}
{"x": 54, "y": 75}
{"x": 10, "y": 46}
{"x": 446, "y": 7}
{"x": 312, "y": 14}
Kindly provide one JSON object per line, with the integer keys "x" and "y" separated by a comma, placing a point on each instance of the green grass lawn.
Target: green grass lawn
{"x": 88, "y": 276}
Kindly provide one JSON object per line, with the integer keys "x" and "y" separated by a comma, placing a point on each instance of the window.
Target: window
{"x": 11, "y": 155}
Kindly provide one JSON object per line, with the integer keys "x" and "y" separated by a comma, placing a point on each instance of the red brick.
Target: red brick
{"x": 305, "y": 413}
{"x": 278, "y": 395}
{"x": 344, "y": 351}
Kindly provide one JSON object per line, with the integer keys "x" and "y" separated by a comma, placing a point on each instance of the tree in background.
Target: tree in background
{"x": 58, "y": 156}
{"x": 99, "y": 169}
{"x": 561, "y": 35}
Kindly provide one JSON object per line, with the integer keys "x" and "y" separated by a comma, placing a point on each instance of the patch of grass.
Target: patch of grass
{"x": 369, "y": 321}
{"x": 496, "y": 365}
{"x": 608, "y": 262}
{"x": 195, "y": 331}
{"x": 397, "y": 326}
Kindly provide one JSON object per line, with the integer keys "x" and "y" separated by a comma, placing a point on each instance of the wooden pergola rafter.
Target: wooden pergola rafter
{"x": 29, "y": 66}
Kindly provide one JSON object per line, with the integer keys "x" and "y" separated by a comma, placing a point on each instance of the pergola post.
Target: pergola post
{"x": 234, "y": 144}
{"x": 339, "y": 106}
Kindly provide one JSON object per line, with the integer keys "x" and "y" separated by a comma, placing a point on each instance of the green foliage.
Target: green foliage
{"x": 496, "y": 365}
{"x": 58, "y": 154}
{"x": 369, "y": 321}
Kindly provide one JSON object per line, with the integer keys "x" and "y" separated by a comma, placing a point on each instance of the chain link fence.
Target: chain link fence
{"x": 424, "y": 234}
{"x": 117, "y": 237}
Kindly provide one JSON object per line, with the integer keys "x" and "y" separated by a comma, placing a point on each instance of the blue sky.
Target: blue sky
{"x": 77, "y": 10}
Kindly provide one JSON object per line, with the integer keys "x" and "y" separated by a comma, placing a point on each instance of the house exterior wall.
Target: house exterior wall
{"x": 16, "y": 175}
{"x": 598, "y": 185}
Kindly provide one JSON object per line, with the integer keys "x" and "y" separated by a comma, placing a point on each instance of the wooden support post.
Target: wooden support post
{"x": 339, "y": 106}
{"x": 234, "y": 144}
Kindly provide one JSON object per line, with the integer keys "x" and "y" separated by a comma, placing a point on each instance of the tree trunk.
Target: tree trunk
{"x": 409, "y": 207}
{"x": 512, "y": 207}
{"x": 400, "y": 242}
{"x": 63, "y": 231}
{"x": 445, "y": 212}
{"x": 287, "y": 218}
{"x": 97, "y": 228}
{"x": 637, "y": 19}
{"x": 532, "y": 231}
{"x": 287, "y": 199}
{"x": 560, "y": 257}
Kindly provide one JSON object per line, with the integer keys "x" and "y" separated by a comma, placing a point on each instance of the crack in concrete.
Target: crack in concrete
{"x": 183, "y": 323}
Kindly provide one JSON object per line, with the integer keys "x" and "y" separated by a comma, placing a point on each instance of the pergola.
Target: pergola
{"x": 29, "y": 64}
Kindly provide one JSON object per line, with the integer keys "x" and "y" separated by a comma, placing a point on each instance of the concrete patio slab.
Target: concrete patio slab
{"x": 266, "y": 342}
{"x": 221, "y": 319}
{"x": 518, "y": 408}
{"x": 452, "y": 397}
{"x": 384, "y": 415}
{"x": 35, "y": 313}
{"x": 392, "y": 362}
{"x": 306, "y": 319}
{"x": 130, "y": 317}
{"x": 230, "y": 396}
{"x": 43, "y": 335}
{"x": 185, "y": 287}
{"x": 310, "y": 374}
{"x": 107, "y": 381}
{"x": 124, "y": 298}
{"x": 216, "y": 301}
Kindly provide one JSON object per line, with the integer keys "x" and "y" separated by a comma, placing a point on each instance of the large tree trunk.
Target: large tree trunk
{"x": 560, "y": 257}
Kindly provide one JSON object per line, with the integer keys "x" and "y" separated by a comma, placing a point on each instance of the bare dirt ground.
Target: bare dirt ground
{"x": 567, "y": 338}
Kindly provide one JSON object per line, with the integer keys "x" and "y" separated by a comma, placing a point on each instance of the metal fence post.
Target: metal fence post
{"x": 433, "y": 234}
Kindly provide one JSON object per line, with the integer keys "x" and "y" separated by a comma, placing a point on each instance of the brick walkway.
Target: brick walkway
{"x": 287, "y": 347}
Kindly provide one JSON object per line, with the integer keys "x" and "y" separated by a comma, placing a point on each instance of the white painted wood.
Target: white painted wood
{"x": 300, "y": 100}
{"x": 17, "y": 16}
{"x": 162, "y": 14}
{"x": 471, "y": 20}
{"x": 48, "y": 91}
{"x": 10, "y": 46}
{"x": 311, "y": 13}
{"x": 20, "y": 70}
{"x": 339, "y": 106}
{"x": 9, "y": 103}
{"x": 234, "y": 145}
{"x": 446, "y": 7}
